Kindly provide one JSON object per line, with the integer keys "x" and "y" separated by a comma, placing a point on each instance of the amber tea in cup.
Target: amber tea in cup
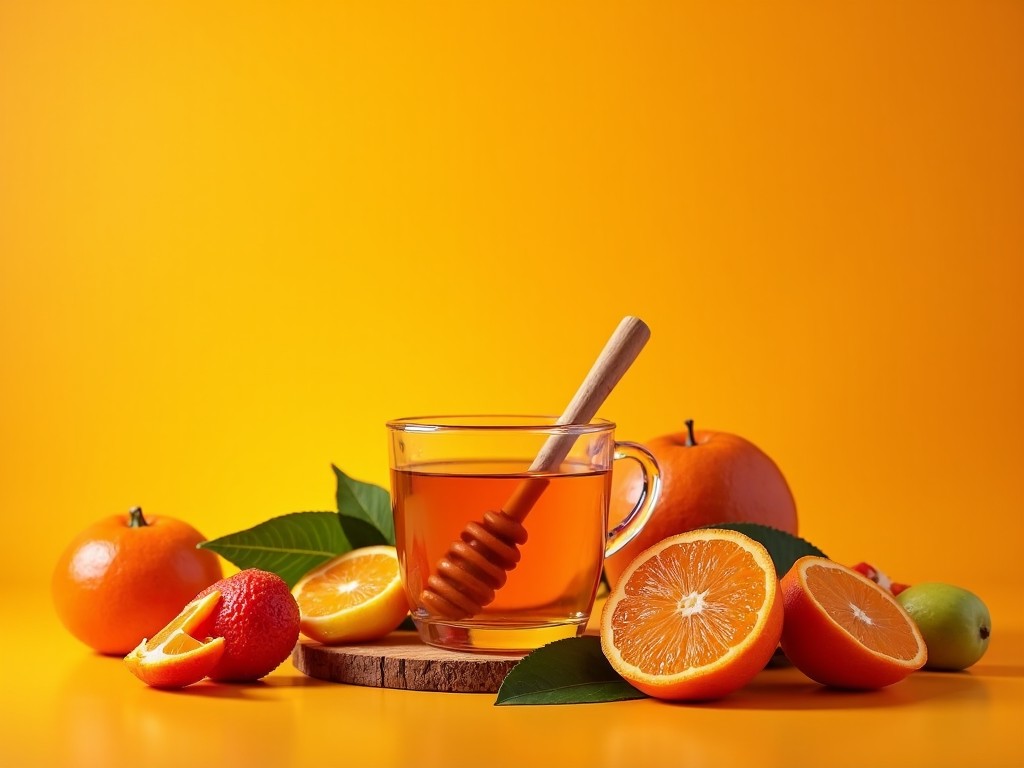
{"x": 447, "y": 472}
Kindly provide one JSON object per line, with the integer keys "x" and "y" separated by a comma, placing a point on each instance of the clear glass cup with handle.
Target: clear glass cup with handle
{"x": 496, "y": 555}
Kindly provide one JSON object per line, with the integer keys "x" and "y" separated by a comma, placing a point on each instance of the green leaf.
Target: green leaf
{"x": 290, "y": 545}
{"x": 359, "y": 532}
{"x": 784, "y": 548}
{"x": 366, "y": 502}
{"x": 570, "y": 671}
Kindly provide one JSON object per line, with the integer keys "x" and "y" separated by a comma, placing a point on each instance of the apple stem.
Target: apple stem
{"x": 135, "y": 518}
{"x": 691, "y": 439}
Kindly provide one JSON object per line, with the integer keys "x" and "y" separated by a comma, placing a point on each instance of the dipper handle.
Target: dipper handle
{"x": 619, "y": 352}
{"x": 478, "y": 563}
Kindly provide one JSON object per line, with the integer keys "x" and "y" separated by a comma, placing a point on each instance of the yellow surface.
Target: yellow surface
{"x": 235, "y": 238}
{"x": 67, "y": 707}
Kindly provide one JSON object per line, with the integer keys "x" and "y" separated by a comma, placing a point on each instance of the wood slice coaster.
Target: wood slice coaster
{"x": 402, "y": 660}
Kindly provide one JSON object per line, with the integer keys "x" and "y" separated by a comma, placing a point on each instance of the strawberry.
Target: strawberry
{"x": 880, "y": 578}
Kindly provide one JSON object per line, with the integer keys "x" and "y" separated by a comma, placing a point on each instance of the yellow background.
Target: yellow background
{"x": 235, "y": 238}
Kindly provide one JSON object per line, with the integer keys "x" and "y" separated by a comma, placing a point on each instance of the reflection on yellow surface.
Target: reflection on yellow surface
{"x": 106, "y": 718}
{"x": 82, "y": 710}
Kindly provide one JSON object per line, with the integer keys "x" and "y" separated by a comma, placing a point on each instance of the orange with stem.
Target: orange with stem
{"x": 126, "y": 576}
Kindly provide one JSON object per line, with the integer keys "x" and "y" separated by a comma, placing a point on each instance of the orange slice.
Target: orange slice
{"x": 355, "y": 597}
{"x": 174, "y": 658}
{"x": 694, "y": 617}
{"x": 844, "y": 630}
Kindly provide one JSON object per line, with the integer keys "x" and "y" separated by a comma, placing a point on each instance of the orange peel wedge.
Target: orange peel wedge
{"x": 173, "y": 658}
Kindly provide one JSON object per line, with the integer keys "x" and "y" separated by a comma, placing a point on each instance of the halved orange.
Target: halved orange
{"x": 355, "y": 597}
{"x": 174, "y": 658}
{"x": 694, "y": 617}
{"x": 844, "y": 630}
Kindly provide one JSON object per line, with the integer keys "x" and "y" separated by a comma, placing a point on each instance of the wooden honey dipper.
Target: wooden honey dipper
{"x": 477, "y": 565}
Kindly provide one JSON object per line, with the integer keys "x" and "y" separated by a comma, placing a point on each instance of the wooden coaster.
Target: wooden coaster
{"x": 402, "y": 660}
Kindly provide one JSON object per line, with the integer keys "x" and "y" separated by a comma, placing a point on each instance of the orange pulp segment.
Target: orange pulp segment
{"x": 173, "y": 658}
{"x": 844, "y": 630}
{"x": 696, "y": 616}
{"x": 354, "y": 597}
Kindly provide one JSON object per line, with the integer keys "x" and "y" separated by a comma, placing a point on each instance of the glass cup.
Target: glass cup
{"x": 496, "y": 554}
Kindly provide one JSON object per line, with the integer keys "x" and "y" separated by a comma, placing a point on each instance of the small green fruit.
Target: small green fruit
{"x": 955, "y": 623}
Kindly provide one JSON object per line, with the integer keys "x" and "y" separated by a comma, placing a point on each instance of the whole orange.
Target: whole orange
{"x": 707, "y": 477}
{"x": 125, "y": 577}
{"x": 259, "y": 620}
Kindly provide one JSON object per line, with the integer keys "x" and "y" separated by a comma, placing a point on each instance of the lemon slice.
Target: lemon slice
{"x": 355, "y": 597}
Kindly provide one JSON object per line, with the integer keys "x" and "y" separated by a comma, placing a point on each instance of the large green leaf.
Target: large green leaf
{"x": 367, "y": 502}
{"x": 570, "y": 671}
{"x": 360, "y": 533}
{"x": 784, "y": 548}
{"x": 289, "y": 545}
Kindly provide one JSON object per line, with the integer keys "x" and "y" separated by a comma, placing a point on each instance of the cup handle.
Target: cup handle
{"x": 637, "y": 518}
